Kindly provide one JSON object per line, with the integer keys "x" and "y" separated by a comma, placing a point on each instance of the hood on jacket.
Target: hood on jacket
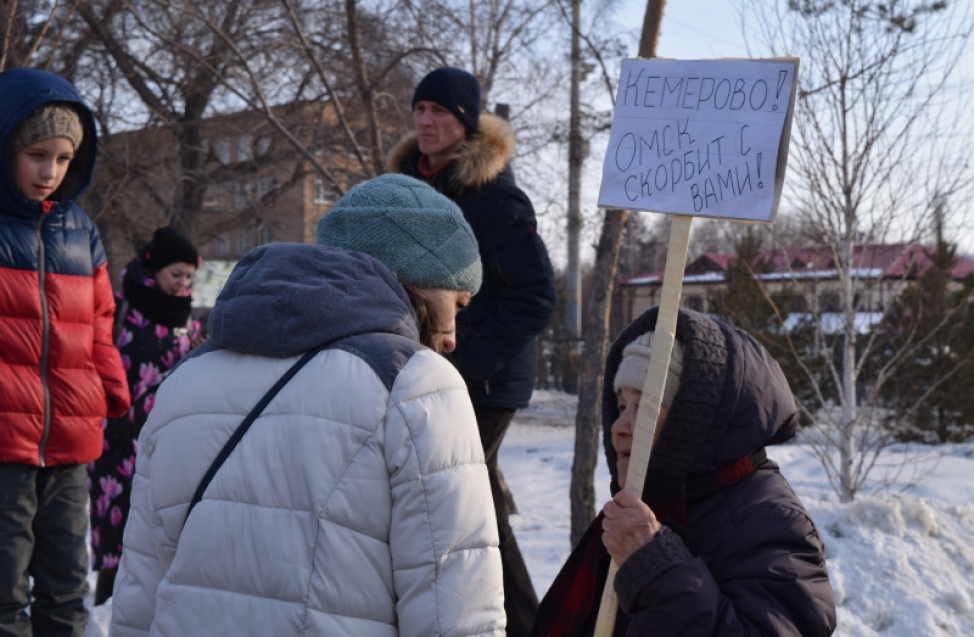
{"x": 732, "y": 401}
{"x": 22, "y": 91}
{"x": 483, "y": 156}
{"x": 283, "y": 299}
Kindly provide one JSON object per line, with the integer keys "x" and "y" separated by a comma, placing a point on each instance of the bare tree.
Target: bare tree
{"x": 596, "y": 332}
{"x": 175, "y": 65}
{"x": 870, "y": 156}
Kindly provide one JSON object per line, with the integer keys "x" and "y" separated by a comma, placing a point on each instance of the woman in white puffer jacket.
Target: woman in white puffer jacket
{"x": 358, "y": 502}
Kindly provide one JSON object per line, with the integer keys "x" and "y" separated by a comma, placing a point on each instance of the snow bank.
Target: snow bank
{"x": 901, "y": 562}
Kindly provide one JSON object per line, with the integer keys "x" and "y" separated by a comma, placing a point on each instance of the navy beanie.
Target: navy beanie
{"x": 415, "y": 231}
{"x": 168, "y": 247}
{"x": 453, "y": 89}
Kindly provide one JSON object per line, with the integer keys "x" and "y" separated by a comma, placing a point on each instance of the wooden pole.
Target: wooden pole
{"x": 652, "y": 396}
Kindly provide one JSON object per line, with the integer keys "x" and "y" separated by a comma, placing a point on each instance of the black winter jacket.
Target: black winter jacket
{"x": 497, "y": 334}
{"x": 746, "y": 559}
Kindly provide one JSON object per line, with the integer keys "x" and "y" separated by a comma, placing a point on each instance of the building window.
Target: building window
{"x": 830, "y": 303}
{"x": 221, "y": 246}
{"x": 324, "y": 193}
{"x": 265, "y": 184}
{"x": 245, "y": 147}
{"x": 695, "y": 303}
{"x": 263, "y": 145}
{"x": 245, "y": 241}
{"x": 798, "y": 304}
{"x": 221, "y": 148}
{"x": 265, "y": 234}
{"x": 241, "y": 195}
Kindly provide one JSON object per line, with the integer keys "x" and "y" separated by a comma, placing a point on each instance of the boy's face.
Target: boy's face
{"x": 40, "y": 168}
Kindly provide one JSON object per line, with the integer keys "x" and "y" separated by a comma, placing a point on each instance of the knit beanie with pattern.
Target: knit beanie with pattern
{"x": 48, "y": 121}
{"x": 411, "y": 228}
{"x": 453, "y": 89}
{"x": 168, "y": 247}
{"x": 635, "y": 364}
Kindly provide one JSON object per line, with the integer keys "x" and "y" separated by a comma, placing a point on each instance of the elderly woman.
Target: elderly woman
{"x": 719, "y": 544}
{"x": 358, "y": 501}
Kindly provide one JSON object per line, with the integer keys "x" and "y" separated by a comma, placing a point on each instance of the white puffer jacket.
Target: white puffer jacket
{"x": 357, "y": 504}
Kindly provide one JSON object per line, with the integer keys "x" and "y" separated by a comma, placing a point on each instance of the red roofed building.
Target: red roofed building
{"x": 879, "y": 273}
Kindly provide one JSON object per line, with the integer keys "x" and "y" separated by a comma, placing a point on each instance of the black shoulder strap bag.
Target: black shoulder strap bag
{"x": 245, "y": 425}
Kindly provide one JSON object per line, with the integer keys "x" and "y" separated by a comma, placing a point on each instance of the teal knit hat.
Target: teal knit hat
{"x": 415, "y": 231}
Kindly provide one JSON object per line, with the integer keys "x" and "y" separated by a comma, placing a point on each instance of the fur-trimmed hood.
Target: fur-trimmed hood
{"x": 482, "y": 157}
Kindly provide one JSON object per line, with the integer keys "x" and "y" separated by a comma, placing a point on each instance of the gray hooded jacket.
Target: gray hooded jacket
{"x": 353, "y": 506}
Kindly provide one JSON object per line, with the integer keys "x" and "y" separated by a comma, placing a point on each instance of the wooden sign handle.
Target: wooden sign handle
{"x": 652, "y": 396}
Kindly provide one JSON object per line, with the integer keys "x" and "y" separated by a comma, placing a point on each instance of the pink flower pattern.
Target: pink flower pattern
{"x": 127, "y": 468}
{"x": 112, "y": 474}
{"x": 124, "y": 338}
{"x": 149, "y": 376}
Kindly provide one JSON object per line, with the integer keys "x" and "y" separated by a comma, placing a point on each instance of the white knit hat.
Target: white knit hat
{"x": 635, "y": 363}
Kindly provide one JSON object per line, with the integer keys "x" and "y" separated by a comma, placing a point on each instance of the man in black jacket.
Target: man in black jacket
{"x": 465, "y": 155}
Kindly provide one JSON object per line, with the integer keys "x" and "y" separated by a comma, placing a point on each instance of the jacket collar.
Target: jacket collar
{"x": 482, "y": 157}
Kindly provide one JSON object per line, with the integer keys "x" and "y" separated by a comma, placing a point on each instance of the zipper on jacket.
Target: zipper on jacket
{"x": 45, "y": 337}
{"x": 487, "y": 387}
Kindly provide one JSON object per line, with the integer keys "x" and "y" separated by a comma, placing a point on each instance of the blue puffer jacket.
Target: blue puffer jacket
{"x": 60, "y": 374}
{"x": 498, "y": 333}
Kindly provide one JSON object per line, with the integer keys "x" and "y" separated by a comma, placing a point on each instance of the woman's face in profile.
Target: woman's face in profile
{"x": 444, "y": 305}
{"x": 623, "y": 429}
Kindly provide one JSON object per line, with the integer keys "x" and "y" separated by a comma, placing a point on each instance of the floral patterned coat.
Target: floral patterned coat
{"x": 149, "y": 351}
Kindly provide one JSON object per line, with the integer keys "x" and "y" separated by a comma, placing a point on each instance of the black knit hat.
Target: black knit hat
{"x": 453, "y": 89}
{"x": 168, "y": 247}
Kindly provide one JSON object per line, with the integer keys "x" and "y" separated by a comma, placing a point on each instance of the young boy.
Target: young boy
{"x": 60, "y": 374}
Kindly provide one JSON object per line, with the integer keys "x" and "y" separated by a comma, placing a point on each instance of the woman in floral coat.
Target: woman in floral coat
{"x": 153, "y": 332}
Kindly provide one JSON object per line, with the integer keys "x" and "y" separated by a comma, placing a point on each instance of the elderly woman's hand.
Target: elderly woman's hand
{"x": 628, "y": 525}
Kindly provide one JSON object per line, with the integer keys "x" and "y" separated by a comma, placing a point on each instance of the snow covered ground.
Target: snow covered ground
{"x": 901, "y": 562}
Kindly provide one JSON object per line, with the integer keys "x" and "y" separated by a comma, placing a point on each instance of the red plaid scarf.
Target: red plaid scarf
{"x": 571, "y": 605}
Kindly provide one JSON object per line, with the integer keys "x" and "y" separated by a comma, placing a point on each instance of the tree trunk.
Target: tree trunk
{"x": 365, "y": 88}
{"x": 596, "y": 338}
{"x": 596, "y": 332}
{"x": 573, "y": 274}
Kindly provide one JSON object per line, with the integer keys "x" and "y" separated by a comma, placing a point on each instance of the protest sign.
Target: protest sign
{"x": 705, "y": 138}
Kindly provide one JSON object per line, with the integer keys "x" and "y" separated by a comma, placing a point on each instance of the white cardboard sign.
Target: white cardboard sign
{"x": 707, "y": 138}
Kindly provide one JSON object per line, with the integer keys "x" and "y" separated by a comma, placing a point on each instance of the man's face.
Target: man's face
{"x": 440, "y": 132}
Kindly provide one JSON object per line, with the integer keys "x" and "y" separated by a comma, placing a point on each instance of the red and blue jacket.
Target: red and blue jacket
{"x": 60, "y": 374}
